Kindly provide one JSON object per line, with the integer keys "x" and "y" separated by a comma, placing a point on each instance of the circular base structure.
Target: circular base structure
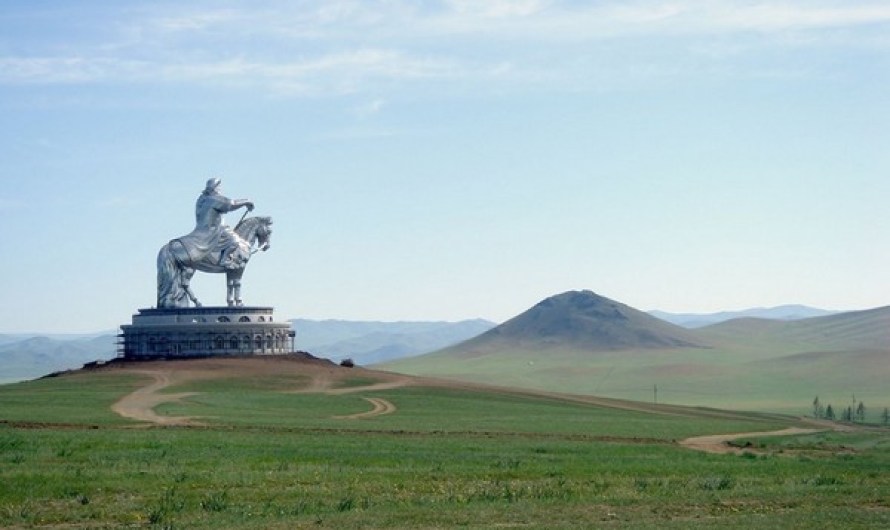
{"x": 203, "y": 332}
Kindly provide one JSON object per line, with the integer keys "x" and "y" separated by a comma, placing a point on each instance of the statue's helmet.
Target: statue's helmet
{"x": 212, "y": 184}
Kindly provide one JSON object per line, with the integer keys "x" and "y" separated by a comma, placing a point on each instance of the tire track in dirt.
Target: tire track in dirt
{"x": 719, "y": 443}
{"x": 322, "y": 383}
{"x": 381, "y": 407}
{"x": 386, "y": 385}
{"x": 139, "y": 404}
{"x": 323, "y": 378}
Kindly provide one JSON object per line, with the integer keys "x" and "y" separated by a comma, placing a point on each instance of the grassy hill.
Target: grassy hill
{"x": 782, "y": 312}
{"x": 289, "y": 442}
{"x": 577, "y": 342}
{"x": 854, "y": 330}
{"x": 583, "y": 321}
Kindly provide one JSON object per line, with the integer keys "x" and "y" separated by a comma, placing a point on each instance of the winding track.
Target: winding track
{"x": 718, "y": 443}
{"x": 139, "y": 405}
{"x": 381, "y": 407}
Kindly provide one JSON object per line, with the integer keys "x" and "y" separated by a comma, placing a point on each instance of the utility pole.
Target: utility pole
{"x": 655, "y": 393}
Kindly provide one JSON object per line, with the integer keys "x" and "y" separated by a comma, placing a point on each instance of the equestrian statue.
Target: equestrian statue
{"x": 213, "y": 247}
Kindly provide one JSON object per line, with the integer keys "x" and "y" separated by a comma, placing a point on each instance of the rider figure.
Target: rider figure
{"x": 211, "y": 233}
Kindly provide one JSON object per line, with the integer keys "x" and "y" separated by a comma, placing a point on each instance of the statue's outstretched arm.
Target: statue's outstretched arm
{"x": 238, "y": 203}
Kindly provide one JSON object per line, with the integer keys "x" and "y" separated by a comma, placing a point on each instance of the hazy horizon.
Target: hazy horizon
{"x": 97, "y": 332}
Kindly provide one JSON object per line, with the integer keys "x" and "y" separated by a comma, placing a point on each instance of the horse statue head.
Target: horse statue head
{"x": 257, "y": 231}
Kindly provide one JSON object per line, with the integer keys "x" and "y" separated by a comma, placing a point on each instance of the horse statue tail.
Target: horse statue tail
{"x": 170, "y": 289}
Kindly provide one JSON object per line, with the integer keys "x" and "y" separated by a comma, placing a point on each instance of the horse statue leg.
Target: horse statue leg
{"x": 233, "y": 283}
{"x": 170, "y": 292}
{"x": 187, "y": 273}
{"x": 238, "y": 300}
{"x": 230, "y": 289}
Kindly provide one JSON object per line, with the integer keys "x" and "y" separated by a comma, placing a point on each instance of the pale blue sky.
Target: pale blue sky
{"x": 448, "y": 160}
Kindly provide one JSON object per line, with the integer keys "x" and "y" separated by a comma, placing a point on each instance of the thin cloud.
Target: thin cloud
{"x": 346, "y": 46}
{"x": 54, "y": 69}
{"x": 198, "y": 20}
{"x": 561, "y": 22}
{"x": 498, "y": 8}
{"x": 323, "y": 72}
{"x": 772, "y": 17}
{"x": 399, "y": 21}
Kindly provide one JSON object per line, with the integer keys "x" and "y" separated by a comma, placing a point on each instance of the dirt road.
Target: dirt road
{"x": 328, "y": 379}
{"x": 381, "y": 407}
{"x": 323, "y": 378}
{"x": 718, "y": 443}
{"x": 139, "y": 405}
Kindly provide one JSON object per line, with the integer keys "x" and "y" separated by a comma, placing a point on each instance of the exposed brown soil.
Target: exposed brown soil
{"x": 719, "y": 443}
{"x": 140, "y": 404}
{"x": 381, "y": 407}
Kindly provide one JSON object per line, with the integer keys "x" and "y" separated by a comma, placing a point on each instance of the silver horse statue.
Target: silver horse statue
{"x": 176, "y": 268}
{"x": 211, "y": 247}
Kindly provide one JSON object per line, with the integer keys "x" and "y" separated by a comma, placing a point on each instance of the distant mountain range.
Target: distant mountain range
{"x": 24, "y": 356}
{"x": 375, "y": 342}
{"x": 783, "y": 312}
{"x": 585, "y": 343}
{"x": 27, "y": 357}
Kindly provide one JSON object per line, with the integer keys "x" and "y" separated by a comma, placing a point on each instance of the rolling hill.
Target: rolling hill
{"x": 580, "y": 320}
{"x": 782, "y": 312}
{"x": 848, "y": 331}
{"x": 581, "y": 342}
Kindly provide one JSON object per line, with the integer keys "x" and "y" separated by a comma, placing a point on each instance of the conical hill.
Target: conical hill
{"x": 582, "y": 320}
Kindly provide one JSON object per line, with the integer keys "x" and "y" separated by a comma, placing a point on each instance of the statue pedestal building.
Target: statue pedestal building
{"x": 203, "y": 332}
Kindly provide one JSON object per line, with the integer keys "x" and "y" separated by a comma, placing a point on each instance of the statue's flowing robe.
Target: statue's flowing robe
{"x": 209, "y": 229}
{"x": 211, "y": 243}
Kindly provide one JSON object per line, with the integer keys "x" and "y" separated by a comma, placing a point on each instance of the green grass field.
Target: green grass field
{"x": 723, "y": 376}
{"x": 447, "y": 458}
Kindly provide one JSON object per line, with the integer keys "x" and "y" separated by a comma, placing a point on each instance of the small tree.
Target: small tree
{"x": 817, "y": 408}
{"x": 829, "y": 412}
{"x": 860, "y": 412}
{"x": 886, "y": 415}
{"x": 847, "y": 414}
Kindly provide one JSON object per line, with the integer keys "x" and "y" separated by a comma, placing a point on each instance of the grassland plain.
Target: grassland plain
{"x": 584, "y": 343}
{"x": 267, "y": 455}
{"x": 729, "y": 377}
